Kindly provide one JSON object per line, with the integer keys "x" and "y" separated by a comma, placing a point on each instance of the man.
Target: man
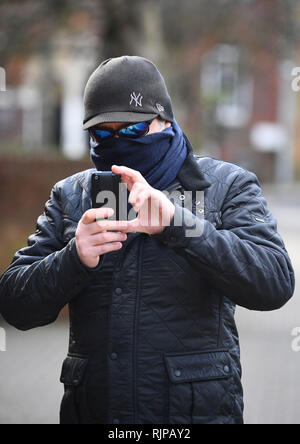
{"x": 152, "y": 336}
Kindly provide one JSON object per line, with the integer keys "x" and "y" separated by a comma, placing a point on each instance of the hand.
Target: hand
{"x": 155, "y": 210}
{"x": 92, "y": 238}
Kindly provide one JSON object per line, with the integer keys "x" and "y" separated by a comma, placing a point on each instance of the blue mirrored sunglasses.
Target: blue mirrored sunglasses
{"x": 133, "y": 131}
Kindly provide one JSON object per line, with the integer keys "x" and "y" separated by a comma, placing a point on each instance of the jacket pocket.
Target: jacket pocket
{"x": 73, "y": 407}
{"x": 200, "y": 388}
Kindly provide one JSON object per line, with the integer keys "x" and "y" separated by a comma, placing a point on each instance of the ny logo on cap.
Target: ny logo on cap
{"x": 137, "y": 99}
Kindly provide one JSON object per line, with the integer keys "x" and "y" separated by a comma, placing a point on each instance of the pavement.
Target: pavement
{"x": 30, "y": 368}
{"x": 271, "y": 368}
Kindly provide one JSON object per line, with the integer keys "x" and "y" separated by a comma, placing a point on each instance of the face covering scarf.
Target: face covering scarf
{"x": 158, "y": 157}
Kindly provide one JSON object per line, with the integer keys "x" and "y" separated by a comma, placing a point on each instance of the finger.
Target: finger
{"x": 128, "y": 182}
{"x": 140, "y": 201}
{"x": 92, "y": 228}
{"x": 134, "y": 175}
{"x": 134, "y": 226}
{"x": 137, "y": 189}
{"x": 96, "y": 213}
{"x": 112, "y": 225}
{"x": 108, "y": 237}
{"x": 106, "y": 248}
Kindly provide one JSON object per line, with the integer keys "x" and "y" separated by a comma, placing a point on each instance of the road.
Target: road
{"x": 30, "y": 368}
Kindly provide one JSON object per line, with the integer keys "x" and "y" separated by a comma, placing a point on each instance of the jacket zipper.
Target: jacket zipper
{"x": 135, "y": 331}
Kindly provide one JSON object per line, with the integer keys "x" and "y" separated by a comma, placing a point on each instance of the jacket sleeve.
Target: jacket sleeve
{"x": 246, "y": 259}
{"x": 44, "y": 276}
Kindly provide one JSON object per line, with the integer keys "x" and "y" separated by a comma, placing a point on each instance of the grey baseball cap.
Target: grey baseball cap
{"x": 126, "y": 89}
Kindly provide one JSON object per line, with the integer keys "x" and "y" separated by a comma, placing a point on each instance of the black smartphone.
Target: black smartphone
{"x": 109, "y": 191}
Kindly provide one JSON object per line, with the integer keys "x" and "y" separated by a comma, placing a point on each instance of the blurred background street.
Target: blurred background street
{"x": 271, "y": 367}
{"x": 233, "y": 71}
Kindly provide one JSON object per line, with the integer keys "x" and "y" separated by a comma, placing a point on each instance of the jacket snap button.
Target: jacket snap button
{"x": 118, "y": 291}
{"x": 173, "y": 239}
{"x": 177, "y": 373}
{"x": 114, "y": 356}
{"x": 226, "y": 369}
{"x": 116, "y": 421}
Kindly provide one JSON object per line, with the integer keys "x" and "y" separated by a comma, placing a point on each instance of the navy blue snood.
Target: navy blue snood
{"x": 158, "y": 157}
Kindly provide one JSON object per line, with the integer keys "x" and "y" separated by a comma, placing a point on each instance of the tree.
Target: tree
{"x": 122, "y": 27}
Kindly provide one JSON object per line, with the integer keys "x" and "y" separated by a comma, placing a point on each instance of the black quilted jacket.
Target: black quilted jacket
{"x": 152, "y": 331}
